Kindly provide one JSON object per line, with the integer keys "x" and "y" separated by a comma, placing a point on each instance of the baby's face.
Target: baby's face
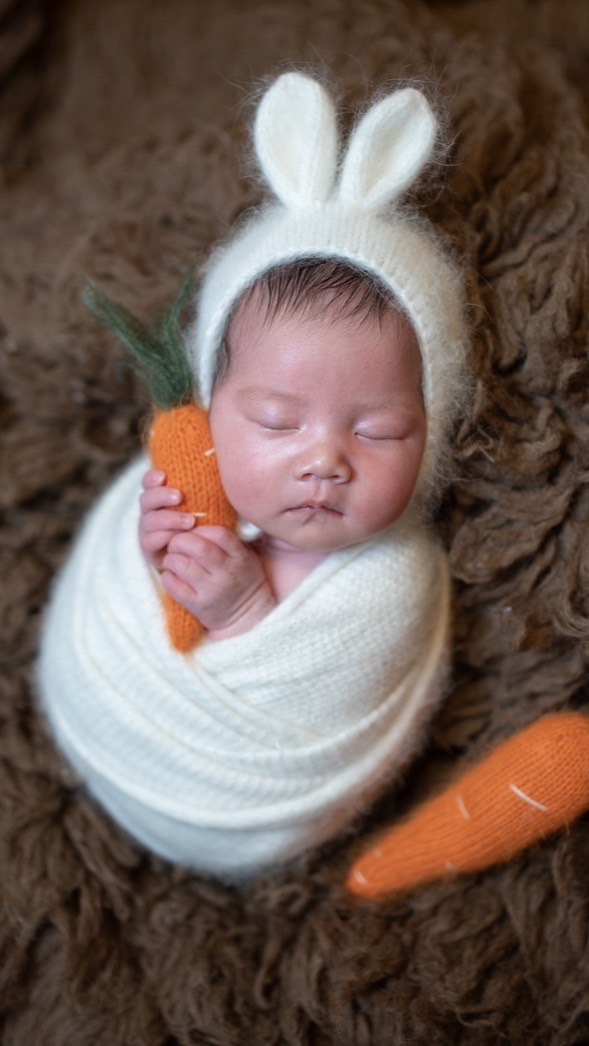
{"x": 319, "y": 426}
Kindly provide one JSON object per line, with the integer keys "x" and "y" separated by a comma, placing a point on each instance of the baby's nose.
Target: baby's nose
{"x": 323, "y": 462}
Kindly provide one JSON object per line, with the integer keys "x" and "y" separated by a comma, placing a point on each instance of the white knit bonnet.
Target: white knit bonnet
{"x": 346, "y": 210}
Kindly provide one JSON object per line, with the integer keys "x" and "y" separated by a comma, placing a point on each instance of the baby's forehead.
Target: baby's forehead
{"x": 256, "y": 311}
{"x": 275, "y": 346}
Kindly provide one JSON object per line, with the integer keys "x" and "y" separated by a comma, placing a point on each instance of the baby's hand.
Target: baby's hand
{"x": 219, "y": 579}
{"x": 159, "y": 521}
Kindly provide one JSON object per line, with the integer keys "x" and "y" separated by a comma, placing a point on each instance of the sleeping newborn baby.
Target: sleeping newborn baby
{"x": 328, "y": 349}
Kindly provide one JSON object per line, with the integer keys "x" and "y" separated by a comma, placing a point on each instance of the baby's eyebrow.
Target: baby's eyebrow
{"x": 290, "y": 399}
{"x": 262, "y": 392}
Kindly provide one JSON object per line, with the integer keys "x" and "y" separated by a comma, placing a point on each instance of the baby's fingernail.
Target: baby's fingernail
{"x": 187, "y": 521}
{"x": 173, "y": 497}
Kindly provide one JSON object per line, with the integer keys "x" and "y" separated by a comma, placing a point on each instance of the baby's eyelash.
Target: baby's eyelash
{"x": 276, "y": 426}
{"x": 378, "y": 438}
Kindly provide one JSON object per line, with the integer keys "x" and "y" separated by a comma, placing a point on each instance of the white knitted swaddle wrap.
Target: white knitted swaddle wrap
{"x": 252, "y": 749}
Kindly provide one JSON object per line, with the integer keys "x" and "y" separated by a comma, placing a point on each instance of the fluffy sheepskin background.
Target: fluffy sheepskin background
{"x": 122, "y": 150}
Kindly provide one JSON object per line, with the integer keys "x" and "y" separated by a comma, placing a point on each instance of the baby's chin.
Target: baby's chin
{"x": 317, "y": 544}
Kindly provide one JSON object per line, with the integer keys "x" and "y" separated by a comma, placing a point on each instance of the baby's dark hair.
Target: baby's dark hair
{"x": 309, "y": 287}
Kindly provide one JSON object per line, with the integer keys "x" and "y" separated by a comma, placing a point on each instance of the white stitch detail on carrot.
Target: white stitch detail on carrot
{"x": 462, "y": 807}
{"x": 199, "y": 515}
{"x": 209, "y": 453}
{"x": 360, "y": 877}
{"x": 450, "y": 866}
{"x": 377, "y": 852}
{"x": 528, "y": 799}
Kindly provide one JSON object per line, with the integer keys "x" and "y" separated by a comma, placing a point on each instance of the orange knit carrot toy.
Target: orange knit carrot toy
{"x": 530, "y": 786}
{"x": 180, "y": 442}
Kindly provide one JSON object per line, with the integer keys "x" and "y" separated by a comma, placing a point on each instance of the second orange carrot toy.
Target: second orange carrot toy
{"x": 532, "y": 785}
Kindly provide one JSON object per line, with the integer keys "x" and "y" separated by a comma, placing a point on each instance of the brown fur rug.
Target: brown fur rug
{"x": 120, "y": 124}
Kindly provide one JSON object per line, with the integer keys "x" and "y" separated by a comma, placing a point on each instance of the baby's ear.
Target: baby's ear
{"x": 296, "y": 140}
{"x": 390, "y": 146}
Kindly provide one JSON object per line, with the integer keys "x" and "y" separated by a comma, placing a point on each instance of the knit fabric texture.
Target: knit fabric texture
{"x": 351, "y": 211}
{"x": 181, "y": 445}
{"x": 226, "y": 760}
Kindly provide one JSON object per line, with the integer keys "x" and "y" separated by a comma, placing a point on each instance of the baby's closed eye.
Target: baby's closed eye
{"x": 276, "y": 424}
{"x": 378, "y": 436}
{"x": 382, "y": 433}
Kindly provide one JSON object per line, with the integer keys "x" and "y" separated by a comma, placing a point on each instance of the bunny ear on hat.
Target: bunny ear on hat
{"x": 388, "y": 150}
{"x": 295, "y": 135}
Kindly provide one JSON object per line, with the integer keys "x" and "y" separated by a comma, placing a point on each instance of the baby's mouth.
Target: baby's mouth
{"x": 312, "y": 507}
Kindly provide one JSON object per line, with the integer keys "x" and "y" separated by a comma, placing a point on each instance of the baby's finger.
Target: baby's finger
{"x": 155, "y": 541}
{"x": 225, "y": 539}
{"x": 176, "y": 587}
{"x": 159, "y": 498}
{"x": 153, "y": 478}
{"x": 166, "y": 520}
{"x": 186, "y": 569}
{"x": 194, "y": 549}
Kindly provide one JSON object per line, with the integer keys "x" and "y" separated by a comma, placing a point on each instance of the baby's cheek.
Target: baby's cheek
{"x": 240, "y": 479}
{"x": 407, "y": 476}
